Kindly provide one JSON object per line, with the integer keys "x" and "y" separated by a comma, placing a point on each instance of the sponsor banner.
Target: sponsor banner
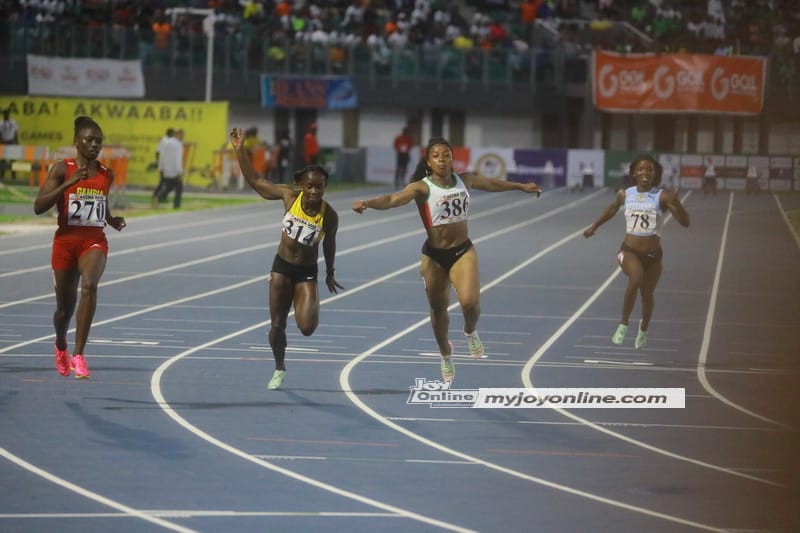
{"x": 780, "y": 173}
{"x": 100, "y": 78}
{"x": 618, "y": 164}
{"x": 136, "y": 126}
{"x": 733, "y": 172}
{"x": 492, "y": 162}
{"x": 461, "y": 158}
{"x": 670, "y": 165}
{"x": 761, "y": 166}
{"x": 322, "y": 92}
{"x": 585, "y": 168}
{"x": 665, "y": 83}
{"x": 381, "y": 163}
{"x": 796, "y": 174}
{"x": 691, "y": 171}
{"x": 547, "y": 168}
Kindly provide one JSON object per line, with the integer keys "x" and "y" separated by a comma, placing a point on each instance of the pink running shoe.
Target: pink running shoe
{"x": 62, "y": 362}
{"x": 81, "y": 368}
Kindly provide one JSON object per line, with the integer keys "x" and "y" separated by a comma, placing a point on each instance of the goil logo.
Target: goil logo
{"x": 665, "y": 83}
{"x": 609, "y": 82}
{"x": 723, "y": 84}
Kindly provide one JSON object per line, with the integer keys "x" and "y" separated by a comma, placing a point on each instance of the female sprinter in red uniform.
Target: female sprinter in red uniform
{"x": 448, "y": 256}
{"x": 79, "y": 189}
{"x": 293, "y": 279}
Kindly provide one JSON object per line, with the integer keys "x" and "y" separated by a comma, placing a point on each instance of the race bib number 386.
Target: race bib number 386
{"x": 86, "y": 210}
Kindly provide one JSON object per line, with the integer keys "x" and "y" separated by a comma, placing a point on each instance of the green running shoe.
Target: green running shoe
{"x": 277, "y": 380}
{"x": 475, "y": 345}
{"x": 619, "y": 335}
{"x": 641, "y": 338}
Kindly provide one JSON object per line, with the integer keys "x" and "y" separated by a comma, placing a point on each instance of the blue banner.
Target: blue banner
{"x": 323, "y": 92}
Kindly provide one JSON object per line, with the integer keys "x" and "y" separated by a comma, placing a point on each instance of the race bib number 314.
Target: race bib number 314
{"x": 86, "y": 210}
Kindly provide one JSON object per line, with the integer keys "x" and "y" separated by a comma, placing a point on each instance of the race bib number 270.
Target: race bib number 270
{"x": 86, "y": 210}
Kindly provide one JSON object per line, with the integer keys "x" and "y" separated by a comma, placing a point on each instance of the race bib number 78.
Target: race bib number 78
{"x": 86, "y": 210}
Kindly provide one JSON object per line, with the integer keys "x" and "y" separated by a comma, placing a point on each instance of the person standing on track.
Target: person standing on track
{"x": 403, "y": 144}
{"x": 293, "y": 279}
{"x": 448, "y": 256}
{"x": 640, "y": 253}
{"x": 79, "y": 189}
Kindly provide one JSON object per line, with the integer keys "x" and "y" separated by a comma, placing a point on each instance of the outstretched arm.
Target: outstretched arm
{"x": 476, "y": 181}
{"x": 264, "y": 187}
{"x": 607, "y": 214}
{"x": 395, "y": 199}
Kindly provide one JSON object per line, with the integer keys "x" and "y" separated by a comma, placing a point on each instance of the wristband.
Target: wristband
{"x": 329, "y": 272}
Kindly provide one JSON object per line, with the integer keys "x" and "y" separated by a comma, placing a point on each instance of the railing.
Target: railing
{"x": 244, "y": 54}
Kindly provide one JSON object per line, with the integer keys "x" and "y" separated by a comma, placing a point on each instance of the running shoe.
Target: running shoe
{"x": 62, "y": 362}
{"x": 641, "y": 338}
{"x": 78, "y": 363}
{"x": 277, "y": 380}
{"x": 475, "y": 345}
{"x": 619, "y": 335}
{"x": 448, "y": 369}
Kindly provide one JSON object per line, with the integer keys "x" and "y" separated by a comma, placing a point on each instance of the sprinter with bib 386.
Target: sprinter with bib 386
{"x": 448, "y": 256}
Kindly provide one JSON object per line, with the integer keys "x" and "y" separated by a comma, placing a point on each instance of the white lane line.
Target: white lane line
{"x": 128, "y": 511}
{"x": 155, "y": 382}
{"x": 155, "y": 389}
{"x": 259, "y": 279}
{"x": 132, "y": 234}
{"x": 786, "y": 219}
{"x": 248, "y": 249}
{"x": 526, "y": 380}
{"x": 344, "y": 381}
{"x": 176, "y": 242}
{"x": 197, "y": 513}
{"x": 712, "y": 307}
{"x": 363, "y": 459}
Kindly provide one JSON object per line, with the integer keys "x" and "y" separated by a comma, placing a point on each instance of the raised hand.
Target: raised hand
{"x": 237, "y": 137}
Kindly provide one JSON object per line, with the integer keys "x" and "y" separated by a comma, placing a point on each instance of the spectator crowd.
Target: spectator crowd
{"x": 270, "y": 29}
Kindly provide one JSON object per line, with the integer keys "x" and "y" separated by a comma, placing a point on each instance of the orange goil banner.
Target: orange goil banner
{"x": 684, "y": 83}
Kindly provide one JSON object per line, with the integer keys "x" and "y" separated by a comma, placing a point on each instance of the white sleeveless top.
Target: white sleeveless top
{"x": 445, "y": 205}
{"x": 642, "y": 212}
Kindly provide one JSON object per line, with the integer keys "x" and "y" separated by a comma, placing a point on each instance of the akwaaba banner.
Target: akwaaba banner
{"x": 102, "y": 78}
{"x": 686, "y": 83}
{"x": 136, "y": 126}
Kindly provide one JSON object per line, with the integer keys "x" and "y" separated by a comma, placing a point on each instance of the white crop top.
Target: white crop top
{"x": 445, "y": 205}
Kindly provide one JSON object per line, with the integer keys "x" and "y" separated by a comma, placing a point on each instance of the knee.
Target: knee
{"x": 471, "y": 306}
{"x": 88, "y": 287}
{"x": 635, "y": 283}
{"x": 439, "y": 309}
{"x": 277, "y": 333}
{"x": 308, "y": 329}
